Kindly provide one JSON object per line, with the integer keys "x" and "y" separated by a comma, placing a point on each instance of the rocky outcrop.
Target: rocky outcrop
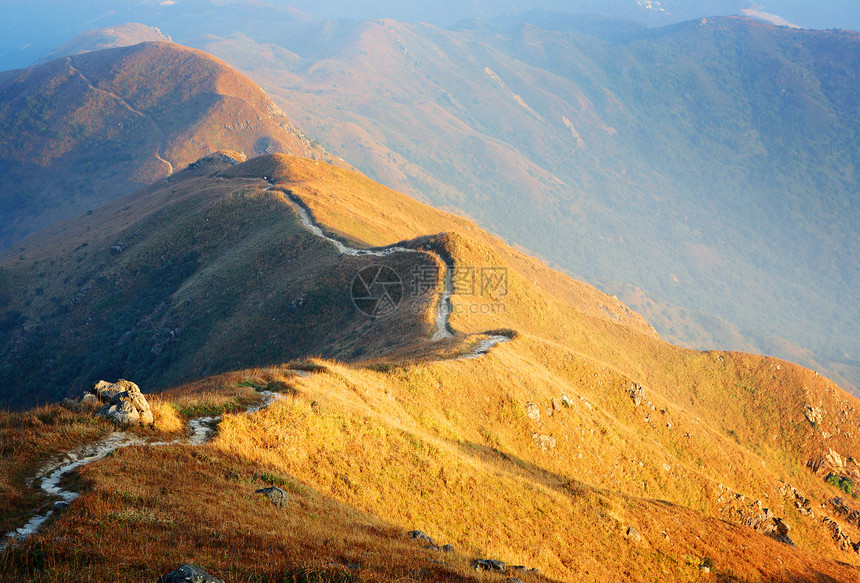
{"x": 834, "y": 463}
{"x": 275, "y": 495}
{"x": 421, "y": 536}
{"x": 430, "y": 543}
{"x": 189, "y": 574}
{"x": 801, "y": 502}
{"x": 842, "y": 540}
{"x": 121, "y": 402}
{"x": 489, "y": 565}
{"x": 846, "y": 510}
{"x": 735, "y": 508}
{"x": 813, "y": 415}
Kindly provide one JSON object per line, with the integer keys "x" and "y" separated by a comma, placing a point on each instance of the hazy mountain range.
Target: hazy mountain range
{"x": 85, "y": 129}
{"x": 56, "y": 22}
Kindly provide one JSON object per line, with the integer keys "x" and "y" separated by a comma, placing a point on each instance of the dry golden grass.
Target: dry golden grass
{"x": 165, "y": 416}
{"x": 443, "y": 447}
{"x": 400, "y": 440}
{"x": 447, "y": 448}
{"x": 27, "y": 441}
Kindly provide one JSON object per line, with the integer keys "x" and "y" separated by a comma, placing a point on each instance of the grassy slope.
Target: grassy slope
{"x": 207, "y": 280}
{"x": 448, "y": 447}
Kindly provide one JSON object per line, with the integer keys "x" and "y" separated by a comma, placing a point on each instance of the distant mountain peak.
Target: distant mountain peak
{"x": 129, "y": 116}
{"x": 124, "y": 35}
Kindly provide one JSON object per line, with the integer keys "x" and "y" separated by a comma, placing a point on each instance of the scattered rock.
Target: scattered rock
{"x": 448, "y": 549}
{"x": 633, "y": 534}
{"x": 513, "y": 580}
{"x": 489, "y": 565}
{"x": 637, "y": 393}
{"x": 565, "y": 400}
{"x": 189, "y": 574}
{"x": 420, "y": 536}
{"x": 801, "y": 502}
{"x": 90, "y": 402}
{"x": 121, "y": 402}
{"x": 121, "y": 412}
{"x": 556, "y": 405}
{"x": 781, "y": 526}
{"x": 105, "y": 391}
{"x": 275, "y": 495}
{"x": 813, "y": 415}
{"x": 533, "y": 411}
{"x": 842, "y": 540}
{"x": 846, "y": 510}
{"x": 545, "y": 442}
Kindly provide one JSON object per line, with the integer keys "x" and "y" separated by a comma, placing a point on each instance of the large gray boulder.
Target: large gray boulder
{"x": 121, "y": 402}
{"x": 189, "y": 574}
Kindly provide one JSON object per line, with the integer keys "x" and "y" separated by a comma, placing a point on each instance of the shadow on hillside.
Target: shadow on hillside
{"x": 518, "y": 467}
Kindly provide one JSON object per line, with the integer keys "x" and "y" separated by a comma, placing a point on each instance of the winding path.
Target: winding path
{"x": 201, "y": 429}
{"x": 163, "y": 138}
{"x": 443, "y": 311}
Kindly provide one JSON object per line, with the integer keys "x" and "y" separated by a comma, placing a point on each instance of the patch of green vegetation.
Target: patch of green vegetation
{"x": 306, "y": 366}
{"x": 843, "y": 483}
{"x": 272, "y": 386}
{"x": 209, "y": 409}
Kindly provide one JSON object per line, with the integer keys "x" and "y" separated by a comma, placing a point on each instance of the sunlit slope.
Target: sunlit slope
{"x": 543, "y": 452}
{"x": 557, "y": 311}
{"x": 743, "y": 421}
